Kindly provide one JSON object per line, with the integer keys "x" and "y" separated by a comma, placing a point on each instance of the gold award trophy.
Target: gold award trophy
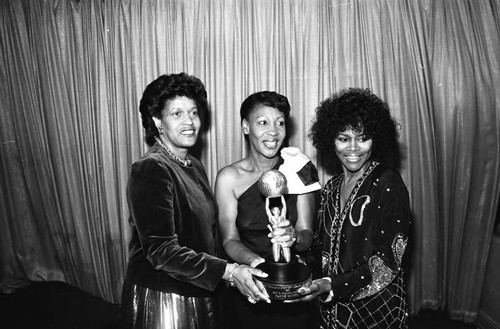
{"x": 285, "y": 273}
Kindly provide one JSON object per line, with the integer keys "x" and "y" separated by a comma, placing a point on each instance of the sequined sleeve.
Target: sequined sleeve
{"x": 392, "y": 237}
{"x": 381, "y": 274}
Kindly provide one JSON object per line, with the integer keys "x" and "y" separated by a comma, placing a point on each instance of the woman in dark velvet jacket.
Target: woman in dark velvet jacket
{"x": 173, "y": 273}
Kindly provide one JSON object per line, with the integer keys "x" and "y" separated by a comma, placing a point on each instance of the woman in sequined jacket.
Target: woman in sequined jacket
{"x": 364, "y": 215}
{"x": 174, "y": 273}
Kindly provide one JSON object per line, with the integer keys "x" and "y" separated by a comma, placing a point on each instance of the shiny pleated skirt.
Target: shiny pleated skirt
{"x": 151, "y": 309}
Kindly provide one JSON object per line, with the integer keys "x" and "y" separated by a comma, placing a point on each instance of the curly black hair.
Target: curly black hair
{"x": 362, "y": 111}
{"x": 164, "y": 88}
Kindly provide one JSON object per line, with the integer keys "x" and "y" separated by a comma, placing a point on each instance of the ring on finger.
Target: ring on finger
{"x": 251, "y": 300}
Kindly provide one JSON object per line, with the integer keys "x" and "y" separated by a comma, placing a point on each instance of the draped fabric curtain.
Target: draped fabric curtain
{"x": 72, "y": 74}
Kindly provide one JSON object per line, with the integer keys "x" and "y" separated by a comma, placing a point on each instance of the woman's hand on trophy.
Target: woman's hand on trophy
{"x": 283, "y": 233}
{"x": 313, "y": 289}
{"x": 252, "y": 289}
{"x": 262, "y": 291}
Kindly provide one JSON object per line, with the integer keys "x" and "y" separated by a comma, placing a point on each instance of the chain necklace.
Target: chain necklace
{"x": 185, "y": 163}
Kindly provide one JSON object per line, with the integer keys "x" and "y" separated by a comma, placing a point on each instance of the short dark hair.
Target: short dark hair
{"x": 266, "y": 98}
{"x": 167, "y": 87}
{"x": 362, "y": 111}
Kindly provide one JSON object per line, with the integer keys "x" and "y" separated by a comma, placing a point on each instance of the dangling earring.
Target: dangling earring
{"x": 160, "y": 129}
{"x": 158, "y": 125}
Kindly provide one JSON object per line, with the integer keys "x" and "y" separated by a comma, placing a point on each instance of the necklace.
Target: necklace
{"x": 185, "y": 163}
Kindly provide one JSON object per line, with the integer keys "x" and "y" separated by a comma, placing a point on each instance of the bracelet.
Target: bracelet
{"x": 330, "y": 294}
{"x": 230, "y": 277}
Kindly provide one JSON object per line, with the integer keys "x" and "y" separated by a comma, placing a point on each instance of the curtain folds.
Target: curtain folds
{"x": 73, "y": 73}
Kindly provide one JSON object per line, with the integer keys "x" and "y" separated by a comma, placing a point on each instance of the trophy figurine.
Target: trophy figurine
{"x": 285, "y": 273}
{"x": 276, "y": 215}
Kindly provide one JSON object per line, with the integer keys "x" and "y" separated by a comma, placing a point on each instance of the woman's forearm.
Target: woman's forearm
{"x": 239, "y": 253}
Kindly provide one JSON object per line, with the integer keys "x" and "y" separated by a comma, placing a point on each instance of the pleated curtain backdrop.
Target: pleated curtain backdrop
{"x": 72, "y": 74}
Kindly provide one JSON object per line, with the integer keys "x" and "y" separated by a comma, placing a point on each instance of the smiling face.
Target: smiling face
{"x": 266, "y": 130}
{"x": 354, "y": 151}
{"x": 181, "y": 123}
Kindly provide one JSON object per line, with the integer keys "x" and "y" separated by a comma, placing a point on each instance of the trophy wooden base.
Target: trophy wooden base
{"x": 284, "y": 279}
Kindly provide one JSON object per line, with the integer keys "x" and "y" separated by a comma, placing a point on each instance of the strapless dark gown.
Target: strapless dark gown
{"x": 252, "y": 225}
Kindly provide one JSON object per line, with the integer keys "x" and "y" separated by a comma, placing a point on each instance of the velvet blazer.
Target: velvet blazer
{"x": 174, "y": 228}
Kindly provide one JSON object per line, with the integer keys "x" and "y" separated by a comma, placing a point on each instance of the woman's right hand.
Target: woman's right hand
{"x": 243, "y": 279}
{"x": 283, "y": 233}
{"x": 309, "y": 292}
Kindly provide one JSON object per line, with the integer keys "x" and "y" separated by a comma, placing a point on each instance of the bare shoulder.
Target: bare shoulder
{"x": 228, "y": 178}
{"x": 229, "y": 173}
{"x": 235, "y": 177}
